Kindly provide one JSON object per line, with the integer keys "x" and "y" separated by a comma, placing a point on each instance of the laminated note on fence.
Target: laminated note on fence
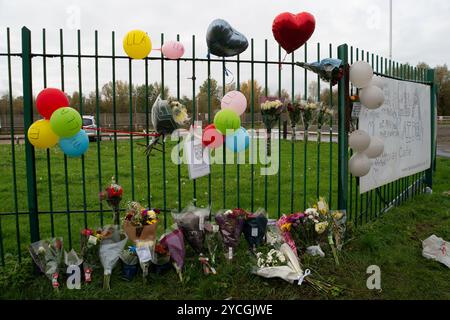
{"x": 197, "y": 160}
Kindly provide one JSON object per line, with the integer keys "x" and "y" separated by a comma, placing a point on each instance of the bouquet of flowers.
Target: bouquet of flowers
{"x": 174, "y": 242}
{"x": 140, "y": 226}
{"x": 192, "y": 222}
{"x": 284, "y": 264}
{"x": 89, "y": 252}
{"x": 295, "y": 114}
{"x": 130, "y": 263}
{"x": 255, "y": 227}
{"x": 324, "y": 115}
{"x": 271, "y": 110}
{"x": 335, "y": 224}
{"x": 329, "y": 70}
{"x": 307, "y": 111}
{"x": 303, "y": 230}
{"x": 112, "y": 242}
{"x": 167, "y": 116}
{"x": 47, "y": 254}
{"x": 161, "y": 259}
{"x": 231, "y": 224}
{"x": 113, "y": 196}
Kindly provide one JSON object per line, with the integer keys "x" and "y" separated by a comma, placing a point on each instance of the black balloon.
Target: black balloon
{"x": 223, "y": 40}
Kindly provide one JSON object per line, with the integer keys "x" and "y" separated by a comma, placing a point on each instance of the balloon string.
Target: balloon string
{"x": 157, "y": 49}
{"x": 124, "y": 132}
{"x": 228, "y": 73}
{"x": 282, "y": 61}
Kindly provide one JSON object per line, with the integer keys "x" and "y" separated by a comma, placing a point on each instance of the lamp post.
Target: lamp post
{"x": 390, "y": 29}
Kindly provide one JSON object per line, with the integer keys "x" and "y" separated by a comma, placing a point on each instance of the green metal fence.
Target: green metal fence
{"x": 44, "y": 193}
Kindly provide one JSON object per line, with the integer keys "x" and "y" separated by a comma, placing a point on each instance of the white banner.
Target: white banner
{"x": 404, "y": 123}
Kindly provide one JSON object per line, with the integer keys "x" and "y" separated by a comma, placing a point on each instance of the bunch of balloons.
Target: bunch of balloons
{"x": 371, "y": 95}
{"x": 60, "y": 124}
{"x": 227, "y": 125}
{"x": 137, "y": 45}
{"x": 365, "y": 148}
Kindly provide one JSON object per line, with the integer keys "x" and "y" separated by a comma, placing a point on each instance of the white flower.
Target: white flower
{"x": 271, "y": 105}
{"x": 316, "y": 221}
{"x": 41, "y": 250}
{"x": 312, "y": 211}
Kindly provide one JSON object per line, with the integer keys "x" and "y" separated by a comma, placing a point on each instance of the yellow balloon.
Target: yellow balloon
{"x": 41, "y": 135}
{"x": 137, "y": 44}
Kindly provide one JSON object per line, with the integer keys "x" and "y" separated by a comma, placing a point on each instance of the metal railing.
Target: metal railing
{"x": 62, "y": 198}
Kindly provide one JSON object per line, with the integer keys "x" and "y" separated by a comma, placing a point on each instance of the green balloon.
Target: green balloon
{"x": 66, "y": 122}
{"x": 227, "y": 120}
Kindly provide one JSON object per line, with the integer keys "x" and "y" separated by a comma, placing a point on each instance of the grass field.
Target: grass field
{"x": 156, "y": 192}
{"x": 393, "y": 242}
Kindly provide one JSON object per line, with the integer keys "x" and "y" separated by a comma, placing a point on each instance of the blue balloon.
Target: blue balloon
{"x": 75, "y": 146}
{"x": 239, "y": 141}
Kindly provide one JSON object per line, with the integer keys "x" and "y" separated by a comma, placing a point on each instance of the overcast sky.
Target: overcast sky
{"x": 421, "y": 30}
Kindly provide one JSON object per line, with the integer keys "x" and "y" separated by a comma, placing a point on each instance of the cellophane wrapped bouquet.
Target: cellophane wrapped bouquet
{"x": 282, "y": 262}
{"x": 130, "y": 263}
{"x": 112, "y": 242}
{"x": 174, "y": 242}
{"x": 192, "y": 222}
{"x": 48, "y": 255}
{"x": 113, "y": 196}
{"x": 255, "y": 228}
{"x": 89, "y": 246}
{"x": 231, "y": 224}
{"x": 271, "y": 110}
{"x": 301, "y": 231}
{"x": 140, "y": 225}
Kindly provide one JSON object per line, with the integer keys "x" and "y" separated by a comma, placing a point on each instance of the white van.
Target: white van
{"x": 89, "y": 122}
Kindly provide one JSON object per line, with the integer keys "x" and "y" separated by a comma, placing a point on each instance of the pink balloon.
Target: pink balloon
{"x": 236, "y": 101}
{"x": 173, "y": 50}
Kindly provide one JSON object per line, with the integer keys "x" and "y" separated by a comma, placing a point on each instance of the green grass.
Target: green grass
{"x": 393, "y": 243}
{"x": 92, "y": 186}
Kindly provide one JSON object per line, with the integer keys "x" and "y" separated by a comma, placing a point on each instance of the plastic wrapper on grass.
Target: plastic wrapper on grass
{"x": 255, "y": 227}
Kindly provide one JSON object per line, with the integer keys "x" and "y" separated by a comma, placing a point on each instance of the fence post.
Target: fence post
{"x": 429, "y": 172}
{"x": 343, "y": 91}
{"x": 28, "y": 120}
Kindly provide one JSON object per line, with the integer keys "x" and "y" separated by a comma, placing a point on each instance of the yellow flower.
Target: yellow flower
{"x": 321, "y": 227}
{"x": 152, "y": 214}
{"x": 286, "y": 227}
{"x": 322, "y": 206}
{"x": 337, "y": 215}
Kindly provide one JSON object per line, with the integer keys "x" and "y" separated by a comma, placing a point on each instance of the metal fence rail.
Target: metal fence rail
{"x": 47, "y": 194}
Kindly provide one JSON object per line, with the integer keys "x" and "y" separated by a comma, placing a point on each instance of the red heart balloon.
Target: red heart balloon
{"x": 293, "y": 30}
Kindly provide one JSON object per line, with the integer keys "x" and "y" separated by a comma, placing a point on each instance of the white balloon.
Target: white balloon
{"x": 377, "y": 81}
{"x": 376, "y": 148}
{"x": 372, "y": 97}
{"x": 361, "y": 73}
{"x": 359, "y": 165}
{"x": 359, "y": 141}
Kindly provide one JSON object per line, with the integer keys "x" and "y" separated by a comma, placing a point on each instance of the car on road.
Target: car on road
{"x": 90, "y": 127}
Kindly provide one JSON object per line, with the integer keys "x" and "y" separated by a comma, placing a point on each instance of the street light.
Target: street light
{"x": 390, "y": 29}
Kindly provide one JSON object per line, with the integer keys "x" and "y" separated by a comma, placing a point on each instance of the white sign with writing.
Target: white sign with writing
{"x": 197, "y": 159}
{"x": 404, "y": 124}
